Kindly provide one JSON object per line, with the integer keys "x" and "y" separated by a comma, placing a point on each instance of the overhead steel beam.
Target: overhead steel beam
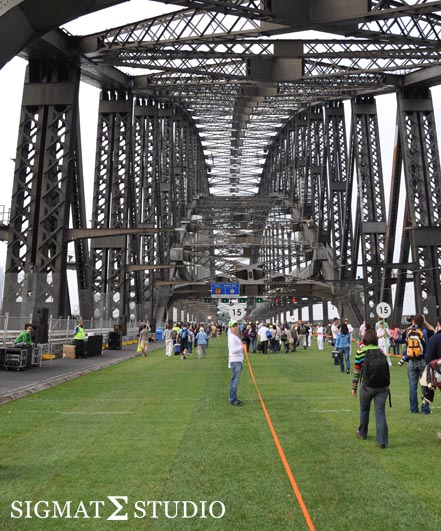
{"x": 26, "y": 20}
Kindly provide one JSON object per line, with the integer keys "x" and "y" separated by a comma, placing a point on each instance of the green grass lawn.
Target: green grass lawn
{"x": 161, "y": 429}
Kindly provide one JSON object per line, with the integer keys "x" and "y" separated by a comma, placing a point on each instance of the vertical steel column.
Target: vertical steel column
{"x": 79, "y": 221}
{"x": 423, "y": 188}
{"x": 395, "y": 209}
{"x": 111, "y": 204}
{"x": 300, "y": 153}
{"x": 46, "y": 167}
{"x": 146, "y": 159}
{"x": 337, "y": 170}
{"x": 293, "y": 250}
{"x": 316, "y": 146}
{"x": 168, "y": 192}
{"x": 135, "y": 179}
{"x": 366, "y": 145}
{"x": 300, "y": 187}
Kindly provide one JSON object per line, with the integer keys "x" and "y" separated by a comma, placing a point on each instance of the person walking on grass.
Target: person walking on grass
{"x": 384, "y": 336}
{"x": 320, "y": 332}
{"x": 168, "y": 337}
{"x": 202, "y": 340}
{"x": 374, "y": 385}
{"x": 144, "y": 337}
{"x": 343, "y": 345}
{"x": 235, "y": 360}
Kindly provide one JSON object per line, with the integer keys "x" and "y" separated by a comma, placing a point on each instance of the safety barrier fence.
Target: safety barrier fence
{"x": 60, "y": 331}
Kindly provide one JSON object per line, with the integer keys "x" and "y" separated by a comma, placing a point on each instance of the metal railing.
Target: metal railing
{"x": 61, "y": 330}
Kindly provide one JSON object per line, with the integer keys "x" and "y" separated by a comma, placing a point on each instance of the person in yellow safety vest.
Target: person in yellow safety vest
{"x": 80, "y": 337}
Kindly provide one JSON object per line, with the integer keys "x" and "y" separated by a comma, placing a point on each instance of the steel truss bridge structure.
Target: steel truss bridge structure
{"x": 222, "y": 154}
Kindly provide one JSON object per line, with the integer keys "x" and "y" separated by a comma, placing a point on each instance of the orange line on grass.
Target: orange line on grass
{"x": 280, "y": 450}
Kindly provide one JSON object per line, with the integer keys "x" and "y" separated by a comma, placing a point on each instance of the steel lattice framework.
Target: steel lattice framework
{"x": 222, "y": 152}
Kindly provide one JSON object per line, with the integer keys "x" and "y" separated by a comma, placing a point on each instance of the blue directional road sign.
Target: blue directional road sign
{"x": 227, "y": 289}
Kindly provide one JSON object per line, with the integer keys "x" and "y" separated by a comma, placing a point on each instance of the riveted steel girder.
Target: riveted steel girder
{"x": 371, "y": 202}
{"x": 111, "y": 204}
{"x": 422, "y": 172}
{"x": 48, "y": 182}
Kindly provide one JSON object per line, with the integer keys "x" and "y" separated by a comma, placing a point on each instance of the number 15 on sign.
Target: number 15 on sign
{"x": 384, "y": 310}
{"x": 237, "y": 312}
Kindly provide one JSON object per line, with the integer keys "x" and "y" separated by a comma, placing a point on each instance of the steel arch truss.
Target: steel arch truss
{"x": 215, "y": 110}
{"x": 149, "y": 167}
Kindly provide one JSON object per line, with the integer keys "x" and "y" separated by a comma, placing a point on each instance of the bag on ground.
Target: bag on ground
{"x": 376, "y": 369}
{"x": 335, "y": 354}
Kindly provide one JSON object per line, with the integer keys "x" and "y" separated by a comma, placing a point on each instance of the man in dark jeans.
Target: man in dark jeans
{"x": 417, "y": 364}
{"x": 368, "y": 393}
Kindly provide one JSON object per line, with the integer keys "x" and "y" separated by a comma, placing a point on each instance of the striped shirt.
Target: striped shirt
{"x": 358, "y": 364}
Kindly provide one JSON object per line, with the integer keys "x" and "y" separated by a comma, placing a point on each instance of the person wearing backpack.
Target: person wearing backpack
{"x": 253, "y": 337}
{"x": 416, "y": 342}
{"x": 372, "y": 376}
{"x": 302, "y": 332}
{"x": 202, "y": 342}
{"x": 183, "y": 336}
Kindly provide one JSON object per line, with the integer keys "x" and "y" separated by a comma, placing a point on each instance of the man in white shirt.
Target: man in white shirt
{"x": 334, "y": 329}
{"x": 235, "y": 360}
{"x": 263, "y": 337}
{"x": 350, "y": 330}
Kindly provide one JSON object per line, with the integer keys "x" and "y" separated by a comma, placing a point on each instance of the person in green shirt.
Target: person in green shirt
{"x": 24, "y": 339}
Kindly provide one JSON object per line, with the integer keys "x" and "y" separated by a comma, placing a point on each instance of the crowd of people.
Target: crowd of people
{"x": 181, "y": 338}
{"x": 416, "y": 344}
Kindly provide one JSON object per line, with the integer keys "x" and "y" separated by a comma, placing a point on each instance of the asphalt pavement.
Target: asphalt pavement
{"x": 17, "y": 384}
